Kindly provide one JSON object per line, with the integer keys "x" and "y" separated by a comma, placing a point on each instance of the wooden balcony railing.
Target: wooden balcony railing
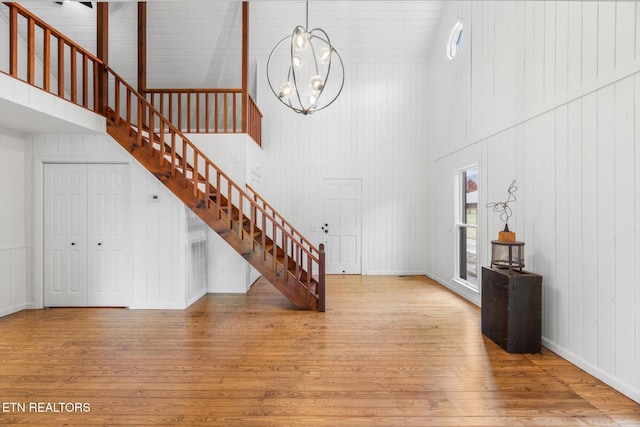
{"x": 204, "y": 110}
{"x": 44, "y": 57}
{"x": 254, "y": 121}
{"x": 199, "y": 110}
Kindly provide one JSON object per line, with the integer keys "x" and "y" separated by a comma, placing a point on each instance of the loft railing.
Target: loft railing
{"x": 203, "y": 110}
{"x": 54, "y": 63}
{"x": 72, "y": 73}
{"x": 43, "y": 57}
{"x": 254, "y": 121}
{"x": 199, "y": 110}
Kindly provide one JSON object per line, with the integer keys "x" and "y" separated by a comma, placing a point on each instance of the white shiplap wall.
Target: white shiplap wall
{"x": 159, "y": 231}
{"x": 376, "y": 132}
{"x": 548, "y": 93}
{"x": 159, "y": 236}
{"x": 14, "y": 216}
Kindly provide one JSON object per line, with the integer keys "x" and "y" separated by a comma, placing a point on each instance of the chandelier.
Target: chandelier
{"x": 302, "y": 63}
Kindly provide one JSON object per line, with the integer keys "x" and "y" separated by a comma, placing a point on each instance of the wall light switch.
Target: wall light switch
{"x": 155, "y": 197}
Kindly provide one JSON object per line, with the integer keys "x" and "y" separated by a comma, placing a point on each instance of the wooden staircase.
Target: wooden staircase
{"x": 246, "y": 222}
{"x": 252, "y": 227}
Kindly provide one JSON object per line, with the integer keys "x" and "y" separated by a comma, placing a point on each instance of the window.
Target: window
{"x": 455, "y": 40}
{"x": 467, "y": 224}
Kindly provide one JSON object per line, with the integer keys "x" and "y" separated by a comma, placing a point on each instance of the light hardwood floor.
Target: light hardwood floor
{"x": 389, "y": 351}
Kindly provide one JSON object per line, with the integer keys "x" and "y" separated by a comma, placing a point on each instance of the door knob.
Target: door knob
{"x": 325, "y": 228}
{"x": 100, "y": 244}
{"x": 73, "y": 243}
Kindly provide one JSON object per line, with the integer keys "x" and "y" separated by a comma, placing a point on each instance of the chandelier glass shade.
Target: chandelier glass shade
{"x": 299, "y": 67}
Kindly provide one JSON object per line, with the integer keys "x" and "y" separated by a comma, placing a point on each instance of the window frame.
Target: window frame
{"x": 461, "y": 225}
{"x": 456, "y": 37}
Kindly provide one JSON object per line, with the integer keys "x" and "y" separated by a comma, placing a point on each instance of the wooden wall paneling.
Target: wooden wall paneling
{"x": 5, "y": 280}
{"x": 562, "y": 214}
{"x": 504, "y": 71}
{"x": 500, "y": 175}
{"x": 18, "y": 278}
{"x": 550, "y": 55}
{"x": 530, "y": 140}
{"x": 545, "y": 196}
{"x": 464, "y": 11}
{"x": 561, "y": 47}
{"x": 476, "y": 66}
{"x": 537, "y": 59}
{"x": 625, "y": 34}
{"x": 517, "y": 28}
{"x": 484, "y": 216}
{"x": 492, "y": 166}
{"x": 488, "y": 70}
{"x": 529, "y": 50}
{"x": 624, "y": 227}
{"x": 589, "y": 42}
{"x": 637, "y": 33}
{"x": 12, "y": 209}
{"x": 521, "y": 181}
{"x": 589, "y": 229}
{"x": 606, "y": 228}
{"x": 574, "y": 227}
{"x": 510, "y": 147}
{"x": 574, "y": 46}
{"x": 6, "y": 285}
{"x": 507, "y": 152}
{"x": 636, "y": 80}
{"x": 606, "y": 37}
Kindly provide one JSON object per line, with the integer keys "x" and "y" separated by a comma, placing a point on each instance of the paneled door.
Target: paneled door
{"x": 109, "y": 268}
{"x": 86, "y": 226}
{"x": 342, "y": 226}
{"x": 65, "y": 238}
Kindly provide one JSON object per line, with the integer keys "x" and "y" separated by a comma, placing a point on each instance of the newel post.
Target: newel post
{"x": 142, "y": 47}
{"x": 321, "y": 275}
{"x": 13, "y": 40}
{"x": 245, "y": 64}
{"x": 102, "y": 48}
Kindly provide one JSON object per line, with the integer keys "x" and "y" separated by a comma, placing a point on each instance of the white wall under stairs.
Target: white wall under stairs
{"x": 238, "y": 156}
{"x": 161, "y": 238}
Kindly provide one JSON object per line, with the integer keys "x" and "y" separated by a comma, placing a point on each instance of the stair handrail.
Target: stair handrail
{"x": 291, "y": 247}
{"x": 276, "y": 215}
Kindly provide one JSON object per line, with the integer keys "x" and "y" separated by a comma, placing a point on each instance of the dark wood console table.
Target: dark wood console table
{"x": 512, "y": 309}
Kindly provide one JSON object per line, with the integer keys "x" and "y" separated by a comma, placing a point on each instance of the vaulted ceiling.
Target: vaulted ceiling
{"x": 198, "y": 43}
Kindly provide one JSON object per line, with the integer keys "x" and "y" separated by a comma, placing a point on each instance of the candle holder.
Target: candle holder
{"x": 507, "y": 255}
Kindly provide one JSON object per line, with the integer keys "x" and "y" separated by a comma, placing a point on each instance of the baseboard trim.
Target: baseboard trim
{"x": 624, "y": 388}
{"x": 13, "y": 309}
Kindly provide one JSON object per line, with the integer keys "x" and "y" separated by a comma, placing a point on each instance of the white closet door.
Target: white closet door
{"x": 65, "y": 239}
{"x": 109, "y": 260}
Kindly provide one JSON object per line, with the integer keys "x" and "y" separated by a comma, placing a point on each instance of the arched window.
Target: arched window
{"x": 455, "y": 40}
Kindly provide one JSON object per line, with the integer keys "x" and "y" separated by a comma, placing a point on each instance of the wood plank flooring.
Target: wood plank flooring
{"x": 389, "y": 351}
